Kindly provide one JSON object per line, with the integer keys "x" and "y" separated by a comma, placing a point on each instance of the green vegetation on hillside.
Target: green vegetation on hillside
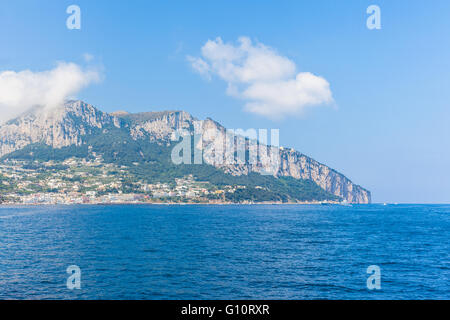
{"x": 151, "y": 162}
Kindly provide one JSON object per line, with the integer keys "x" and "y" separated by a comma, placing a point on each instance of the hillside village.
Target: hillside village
{"x": 80, "y": 181}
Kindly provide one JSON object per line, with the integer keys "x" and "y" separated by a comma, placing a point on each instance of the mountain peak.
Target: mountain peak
{"x": 119, "y": 113}
{"x": 76, "y": 123}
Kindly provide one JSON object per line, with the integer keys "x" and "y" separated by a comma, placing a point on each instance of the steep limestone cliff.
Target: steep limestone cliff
{"x": 67, "y": 125}
{"x": 58, "y": 128}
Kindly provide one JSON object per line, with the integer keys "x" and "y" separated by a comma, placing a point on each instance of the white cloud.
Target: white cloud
{"x": 20, "y": 91}
{"x": 200, "y": 66}
{"x": 267, "y": 81}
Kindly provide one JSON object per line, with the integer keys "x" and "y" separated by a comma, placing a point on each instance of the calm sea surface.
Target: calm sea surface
{"x": 225, "y": 252}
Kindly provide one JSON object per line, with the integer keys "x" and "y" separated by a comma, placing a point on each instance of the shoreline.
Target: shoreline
{"x": 164, "y": 204}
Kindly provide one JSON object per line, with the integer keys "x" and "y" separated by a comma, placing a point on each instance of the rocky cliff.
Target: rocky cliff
{"x": 69, "y": 124}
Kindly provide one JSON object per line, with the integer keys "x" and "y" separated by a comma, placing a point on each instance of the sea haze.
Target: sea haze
{"x": 225, "y": 252}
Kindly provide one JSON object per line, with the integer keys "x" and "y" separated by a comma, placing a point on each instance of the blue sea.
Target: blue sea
{"x": 225, "y": 252}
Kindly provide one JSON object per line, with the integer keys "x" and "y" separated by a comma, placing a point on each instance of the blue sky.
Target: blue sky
{"x": 387, "y": 130}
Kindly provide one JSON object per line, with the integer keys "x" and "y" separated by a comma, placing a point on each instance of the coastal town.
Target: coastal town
{"x": 81, "y": 181}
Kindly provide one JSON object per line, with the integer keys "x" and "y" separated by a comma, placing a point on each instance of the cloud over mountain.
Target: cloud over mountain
{"x": 268, "y": 82}
{"x": 20, "y": 91}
